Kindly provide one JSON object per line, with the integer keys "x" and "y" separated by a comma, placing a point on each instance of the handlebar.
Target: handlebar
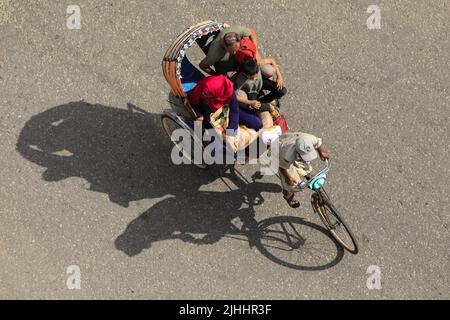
{"x": 303, "y": 185}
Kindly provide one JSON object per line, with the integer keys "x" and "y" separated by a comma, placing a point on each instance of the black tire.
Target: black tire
{"x": 333, "y": 221}
{"x": 169, "y": 125}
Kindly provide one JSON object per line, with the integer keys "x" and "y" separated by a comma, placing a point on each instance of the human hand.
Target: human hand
{"x": 324, "y": 154}
{"x": 255, "y": 104}
{"x": 280, "y": 83}
{"x": 292, "y": 182}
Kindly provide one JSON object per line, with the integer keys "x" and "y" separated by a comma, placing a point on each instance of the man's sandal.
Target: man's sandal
{"x": 291, "y": 200}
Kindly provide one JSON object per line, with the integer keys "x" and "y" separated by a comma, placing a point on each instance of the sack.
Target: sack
{"x": 281, "y": 121}
{"x": 270, "y": 135}
{"x": 245, "y": 136}
{"x": 247, "y": 51}
{"x": 266, "y": 119}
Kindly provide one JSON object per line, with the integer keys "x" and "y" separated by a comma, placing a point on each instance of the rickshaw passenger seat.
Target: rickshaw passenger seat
{"x": 190, "y": 75}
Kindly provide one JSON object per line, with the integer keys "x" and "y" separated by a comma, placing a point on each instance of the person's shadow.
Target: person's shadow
{"x": 125, "y": 154}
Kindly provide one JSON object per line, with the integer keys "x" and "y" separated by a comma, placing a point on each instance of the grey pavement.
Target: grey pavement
{"x": 86, "y": 177}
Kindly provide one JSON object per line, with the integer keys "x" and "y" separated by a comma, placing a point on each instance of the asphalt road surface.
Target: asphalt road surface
{"x": 86, "y": 178}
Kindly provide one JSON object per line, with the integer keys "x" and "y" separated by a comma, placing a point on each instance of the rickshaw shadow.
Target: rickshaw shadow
{"x": 201, "y": 218}
{"x": 119, "y": 152}
{"x": 286, "y": 240}
{"x": 122, "y": 153}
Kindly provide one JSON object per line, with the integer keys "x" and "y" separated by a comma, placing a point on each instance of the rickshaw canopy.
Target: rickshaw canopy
{"x": 180, "y": 73}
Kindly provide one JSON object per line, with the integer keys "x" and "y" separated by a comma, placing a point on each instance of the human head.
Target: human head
{"x": 267, "y": 71}
{"x": 232, "y": 42}
{"x": 216, "y": 90}
{"x": 250, "y": 69}
{"x": 305, "y": 148}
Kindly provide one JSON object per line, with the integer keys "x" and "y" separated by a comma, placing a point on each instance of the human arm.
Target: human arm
{"x": 254, "y": 38}
{"x": 289, "y": 179}
{"x": 206, "y": 67}
{"x": 253, "y": 103}
{"x": 215, "y": 53}
{"x": 193, "y": 100}
{"x": 195, "y": 94}
{"x": 239, "y": 82}
{"x": 320, "y": 147}
{"x": 324, "y": 153}
{"x": 280, "y": 81}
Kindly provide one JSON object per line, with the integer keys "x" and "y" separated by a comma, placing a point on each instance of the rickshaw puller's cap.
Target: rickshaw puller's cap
{"x": 306, "y": 149}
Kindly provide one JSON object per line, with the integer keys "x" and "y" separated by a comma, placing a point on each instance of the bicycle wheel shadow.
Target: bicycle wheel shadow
{"x": 297, "y": 244}
{"x": 289, "y": 241}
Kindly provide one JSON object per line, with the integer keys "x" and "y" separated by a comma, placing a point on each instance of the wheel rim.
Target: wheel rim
{"x": 334, "y": 223}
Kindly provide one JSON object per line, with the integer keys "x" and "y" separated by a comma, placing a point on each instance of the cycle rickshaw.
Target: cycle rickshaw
{"x": 182, "y": 76}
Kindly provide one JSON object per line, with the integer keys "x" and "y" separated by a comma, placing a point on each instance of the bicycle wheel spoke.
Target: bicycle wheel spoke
{"x": 332, "y": 220}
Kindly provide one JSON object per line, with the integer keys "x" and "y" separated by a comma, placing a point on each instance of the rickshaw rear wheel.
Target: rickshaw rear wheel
{"x": 170, "y": 125}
